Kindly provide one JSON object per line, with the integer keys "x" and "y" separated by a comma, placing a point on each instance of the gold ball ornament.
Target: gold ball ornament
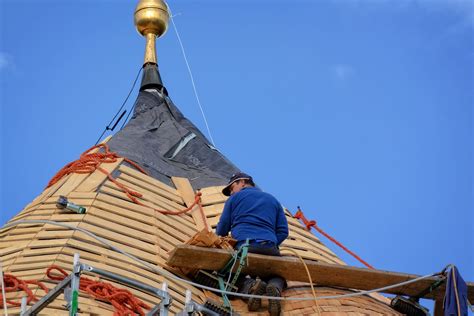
{"x": 151, "y": 17}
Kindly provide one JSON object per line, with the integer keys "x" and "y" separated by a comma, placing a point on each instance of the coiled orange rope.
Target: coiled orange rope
{"x": 89, "y": 162}
{"x": 299, "y": 215}
{"x": 124, "y": 302}
{"x": 14, "y": 284}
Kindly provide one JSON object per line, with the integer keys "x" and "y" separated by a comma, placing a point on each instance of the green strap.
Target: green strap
{"x": 224, "y": 296}
{"x": 240, "y": 255}
{"x": 243, "y": 261}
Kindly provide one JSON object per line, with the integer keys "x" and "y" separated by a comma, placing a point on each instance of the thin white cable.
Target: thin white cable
{"x": 190, "y": 74}
{"x": 167, "y": 274}
{"x": 3, "y": 290}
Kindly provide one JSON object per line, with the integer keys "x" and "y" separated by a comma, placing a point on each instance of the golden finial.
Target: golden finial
{"x": 151, "y": 21}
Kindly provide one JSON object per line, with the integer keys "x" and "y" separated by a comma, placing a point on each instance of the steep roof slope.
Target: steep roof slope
{"x": 142, "y": 231}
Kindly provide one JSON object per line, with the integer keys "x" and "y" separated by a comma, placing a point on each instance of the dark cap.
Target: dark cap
{"x": 233, "y": 178}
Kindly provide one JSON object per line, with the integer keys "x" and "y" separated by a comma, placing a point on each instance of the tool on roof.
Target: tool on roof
{"x": 411, "y": 306}
{"x": 408, "y": 306}
{"x": 216, "y": 278}
{"x": 218, "y": 308}
{"x": 191, "y": 307}
{"x": 63, "y": 203}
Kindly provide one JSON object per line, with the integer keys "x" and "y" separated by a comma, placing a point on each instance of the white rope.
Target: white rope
{"x": 3, "y": 290}
{"x": 190, "y": 74}
{"x": 167, "y": 274}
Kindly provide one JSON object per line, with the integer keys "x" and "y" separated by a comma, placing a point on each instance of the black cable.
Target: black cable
{"x": 119, "y": 119}
{"x": 128, "y": 115}
{"x": 120, "y": 109}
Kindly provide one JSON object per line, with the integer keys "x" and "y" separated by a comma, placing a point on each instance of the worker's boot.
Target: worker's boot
{"x": 274, "y": 306}
{"x": 256, "y": 287}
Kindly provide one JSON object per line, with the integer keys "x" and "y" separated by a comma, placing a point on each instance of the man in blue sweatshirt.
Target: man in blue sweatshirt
{"x": 252, "y": 214}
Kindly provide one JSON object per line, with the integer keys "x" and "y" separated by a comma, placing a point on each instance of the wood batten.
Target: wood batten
{"x": 292, "y": 269}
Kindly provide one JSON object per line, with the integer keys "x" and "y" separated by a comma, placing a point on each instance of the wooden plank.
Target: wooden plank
{"x": 11, "y": 239}
{"x": 137, "y": 174}
{"x": 135, "y": 232}
{"x": 82, "y": 195}
{"x": 13, "y": 251}
{"x": 308, "y": 253}
{"x": 20, "y": 230}
{"x": 438, "y": 308}
{"x": 131, "y": 209}
{"x": 125, "y": 208}
{"x": 11, "y": 256}
{"x": 213, "y": 221}
{"x": 98, "y": 177}
{"x": 119, "y": 218}
{"x": 151, "y": 196}
{"x": 74, "y": 180}
{"x": 216, "y": 198}
{"x": 46, "y": 243}
{"x": 53, "y": 234}
{"x": 118, "y": 237}
{"x": 323, "y": 274}
{"x": 187, "y": 192}
{"x": 32, "y": 253}
{"x": 144, "y": 255}
{"x": 213, "y": 210}
{"x": 152, "y": 206}
{"x": 212, "y": 190}
{"x": 153, "y": 188}
{"x": 304, "y": 245}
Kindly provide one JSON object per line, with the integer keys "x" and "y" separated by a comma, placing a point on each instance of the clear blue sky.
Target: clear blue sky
{"x": 361, "y": 112}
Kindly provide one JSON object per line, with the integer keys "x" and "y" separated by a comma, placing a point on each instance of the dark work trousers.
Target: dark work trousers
{"x": 262, "y": 248}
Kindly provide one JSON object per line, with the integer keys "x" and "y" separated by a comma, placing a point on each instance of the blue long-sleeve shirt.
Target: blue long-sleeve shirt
{"x": 251, "y": 213}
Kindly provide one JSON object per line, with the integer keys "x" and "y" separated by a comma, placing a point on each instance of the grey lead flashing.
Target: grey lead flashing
{"x": 184, "y": 141}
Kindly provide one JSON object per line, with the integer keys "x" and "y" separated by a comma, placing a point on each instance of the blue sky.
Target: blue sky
{"x": 358, "y": 111}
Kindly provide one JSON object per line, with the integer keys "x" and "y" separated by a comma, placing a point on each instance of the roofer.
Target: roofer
{"x": 252, "y": 214}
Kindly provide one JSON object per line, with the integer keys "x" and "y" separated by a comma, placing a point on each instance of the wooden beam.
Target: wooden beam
{"x": 323, "y": 274}
{"x": 438, "y": 308}
{"x": 187, "y": 193}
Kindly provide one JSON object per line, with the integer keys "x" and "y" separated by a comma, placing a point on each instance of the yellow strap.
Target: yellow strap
{"x": 456, "y": 290}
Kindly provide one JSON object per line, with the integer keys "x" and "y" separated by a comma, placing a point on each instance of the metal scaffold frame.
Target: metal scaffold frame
{"x": 70, "y": 287}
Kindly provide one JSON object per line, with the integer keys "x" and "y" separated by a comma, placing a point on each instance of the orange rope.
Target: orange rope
{"x": 124, "y": 302}
{"x": 299, "y": 215}
{"x": 89, "y": 162}
{"x": 14, "y": 284}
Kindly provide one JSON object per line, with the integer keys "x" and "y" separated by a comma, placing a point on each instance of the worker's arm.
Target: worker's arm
{"x": 223, "y": 227}
{"x": 281, "y": 226}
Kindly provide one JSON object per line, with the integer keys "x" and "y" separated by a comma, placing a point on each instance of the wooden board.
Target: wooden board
{"x": 96, "y": 178}
{"x": 137, "y": 174}
{"x": 184, "y": 187}
{"x": 322, "y": 274}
